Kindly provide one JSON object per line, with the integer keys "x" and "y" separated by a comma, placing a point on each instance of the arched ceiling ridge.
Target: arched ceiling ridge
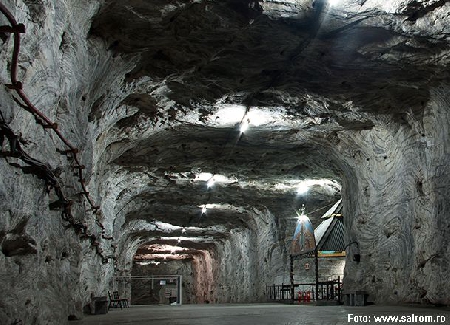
{"x": 312, "y": 84}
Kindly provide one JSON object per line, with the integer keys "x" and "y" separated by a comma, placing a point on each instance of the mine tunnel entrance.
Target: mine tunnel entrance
{"x": 177, "y": 271}
{"x": 185, "y": 270}
{"x": 156, "y": 282}
{"x": 155, "y": 289}
{"x": 219, "y": 264}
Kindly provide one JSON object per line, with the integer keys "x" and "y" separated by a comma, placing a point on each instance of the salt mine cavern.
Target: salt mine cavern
{"x": 224, "y": 161}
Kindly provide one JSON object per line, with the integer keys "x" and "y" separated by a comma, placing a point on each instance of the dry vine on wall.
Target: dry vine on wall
{"x": 32, "y": 166}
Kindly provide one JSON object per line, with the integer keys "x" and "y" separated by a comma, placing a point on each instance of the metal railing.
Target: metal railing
{"x": 330, "y": 290}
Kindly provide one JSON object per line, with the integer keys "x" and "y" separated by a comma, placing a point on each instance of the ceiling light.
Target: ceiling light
{"x": 143, "y": 263}
{"x": 183, "y": 230}
{"x": 244, "y": 125}
{"x": 229, "y": 114}
{"x": 181, "y": 238}
{"x": 203, "y": 176}
{"x": 303, "y": 186}
{"x": 210, "y": 182}
{"x": 302, "y": 189}
{"x": 211, "y": 179}
{"x": 260, "y": 117}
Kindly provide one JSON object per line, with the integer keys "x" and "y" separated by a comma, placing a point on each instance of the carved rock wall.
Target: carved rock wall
{"x": 395, "y": 207}
{"x": 48, "y": 273}
{"x": 249, "y": 260}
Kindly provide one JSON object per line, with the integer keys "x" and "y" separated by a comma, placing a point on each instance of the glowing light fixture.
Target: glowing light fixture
{"x": 244, "y": 125}
{"x": 302, "y": 189}
{"x": 178, "y": 248}
{"x": 260, "y": 117}
{"x": 303, "y": 186}
{"x": 203, "y": 176}
{"x": 143, "y": 263}
{"x": 211, "y": 179}
{"x": 210, "y": 182}
{"x": 204, "y": 209}
{"x": 183, "y": 230}
{"x": 229, "y": 114}
{"x": 302, "y": 217}
{"x": 333, "y": 2}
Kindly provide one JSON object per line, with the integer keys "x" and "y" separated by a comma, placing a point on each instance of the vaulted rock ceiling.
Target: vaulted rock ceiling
{"x": 299, "y": 72}
{"x": 160, "y": 98}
